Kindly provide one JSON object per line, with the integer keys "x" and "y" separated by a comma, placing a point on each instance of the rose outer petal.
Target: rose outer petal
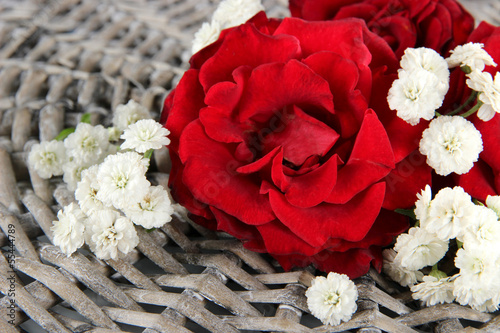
{"x": 371, "y": 160}
{"x": 315, "y": 225}
{"x": 210, "y": 174}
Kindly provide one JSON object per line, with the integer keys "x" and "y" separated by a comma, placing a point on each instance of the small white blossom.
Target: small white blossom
{"x": 423, "y": 204}
{"x": 414, "y": 96}
{"x": 332, "y": 299}
{"x": 419, "y": 248}
{"x": 206, "y": 35}
{"x": 434, "y": 291}
{"x": 86, "y": 191}
{"x": 231, "y": 13}
{"x": 489, "y": 93}
{"x": 451, "y": 144}
{"x": 472, "y": 55}
{"x": 114, "y": 133}
{"x": 73, "y": 174}
{"x": 130, "y": 113}
{"x": 429, "y": 60}
{"x": 483, "y": 228}
{"x": 122, "y": 180}
{"x": 47, "y": 158}
{"x": 153, "y": 211}
{"x": 493, "y": 202}
{"x": 69, "y": 228}
{"x": 450, "y": 213}
{"x": 144, "y": 135}
{"x": 87, "y": 144}
{"x": 397, "y": 272}
{"x": 110, "y": 234}
{"x": 479, "y": 282}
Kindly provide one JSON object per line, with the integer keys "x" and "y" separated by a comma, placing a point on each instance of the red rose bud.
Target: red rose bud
{"x": 437, "y": 24}
{"x": 282, "y": 137}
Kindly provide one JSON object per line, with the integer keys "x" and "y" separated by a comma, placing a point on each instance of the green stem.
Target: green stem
{"x": 148, "y": 154}
{"x": 474, "y": 109}
{"x": 472, "y": 97}
{"x": 437, "y": 114}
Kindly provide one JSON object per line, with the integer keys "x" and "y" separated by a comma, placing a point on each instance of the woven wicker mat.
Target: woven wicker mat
{"x": 62, "y": 58}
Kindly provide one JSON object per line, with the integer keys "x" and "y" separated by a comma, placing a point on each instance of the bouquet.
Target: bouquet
{"x": 312, "y": 137}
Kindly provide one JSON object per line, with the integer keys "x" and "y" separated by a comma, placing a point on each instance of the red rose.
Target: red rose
{"x": 484, "y": 178}
{"x": 282, "y": 137}
{"x": 436, "y": 24}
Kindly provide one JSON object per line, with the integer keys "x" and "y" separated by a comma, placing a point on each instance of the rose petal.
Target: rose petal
{"x": 210, "y": 174}
{"x": 186, "y": 105}
{"x": 301, "y": 136}
{"x": 274, "y": 86}
{"x": 350, "y": 221}
{"x": 479, "y": 182}
{"x": 259, "y": 164}
{"x": 371, "y": 160}
{"x": 256, "y": 50}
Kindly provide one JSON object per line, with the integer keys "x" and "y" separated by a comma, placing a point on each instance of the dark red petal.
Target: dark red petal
{"x": 210, "y": 174}
{"x": 350, "y": 221}
{"x": 344, "y": 37}
{"x": 181, "y": 193}
{"x": 260, "y": 163}
{"x": 371, "y": 160}
{"x": 490, "y": 132}
{"x": 186, "y": 105}
{"x": 218, "y": 118}
{"x": 256, "y": 50}
{"x": 301, "y": 136}
{"x": 406, "y": 180}
{"x": 273, "y": 86}
{"x": 342, "y": 76}
{"x": 312, "y": 188}
{"x": 278, "y": 239}
{"x": 234, "y": 227}
{"x": 479, "y": 182}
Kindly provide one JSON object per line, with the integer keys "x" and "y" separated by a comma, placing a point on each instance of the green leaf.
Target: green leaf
{"x": 64, "y": 134}
{"x": 85, "y": 118}
{"x": 148, "y": 154}
{"x": 407, "y": 212}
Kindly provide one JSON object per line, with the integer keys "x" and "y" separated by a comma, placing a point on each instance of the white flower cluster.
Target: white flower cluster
{"x": 451, "y": 215}
{"x": 451, "y": 143}
{"x": 229, "y": 13}
{"x": 332, "y": 299}
{"x": 111, "y": 188}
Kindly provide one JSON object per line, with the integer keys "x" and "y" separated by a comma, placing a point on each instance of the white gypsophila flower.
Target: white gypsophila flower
{"x": 493, "y": 202}
{"x": 47, "y": 158}
{"x": 87, "y": 189}
{"x": 489, "y": 89}
{"x": 68, "y": 229}
{"x": 153, "y": 211}
{"x": 87, "y": 144}
{"x": 483, "y": 228}
{"x": 451, "y": 144}
{"x": 122, "y": 180}
{"x": 429, "y": 60}
{"x": 114, "y": 133}
{"x": 231, "y": 13}
{"x": 479, "y": 279}
{"x": 110, "y": 234}
{"x": 414, "y": 96}
{"x": 472, "y": 55}
{"x": 397, "y": 272}
{"x": 434, "y": 291}
{"x": 449, "y": 214}
{"x": 419, "y": 248}
{"x": 332, "y": 299}
{"x": 130, "y": 113}
{"x": 144, "y": 135}
{"x": 206, "y": 35}
{"x": 423, "y": 203}
{"x": 73, "y": 174}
